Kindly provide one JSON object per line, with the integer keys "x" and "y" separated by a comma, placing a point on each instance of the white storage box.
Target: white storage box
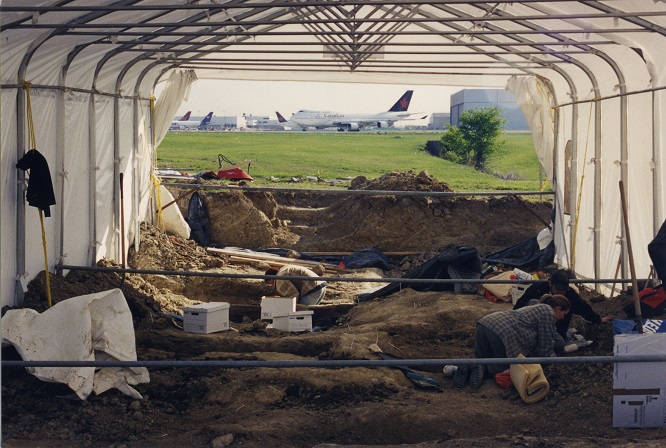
{"x": 206, "y": 317}
{"x": 639, "y": 388}
{"x": 271, "y": 306}
{"x": 296, "y": 321}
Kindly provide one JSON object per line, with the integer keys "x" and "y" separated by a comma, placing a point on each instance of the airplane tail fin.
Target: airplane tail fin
{"x": 186, "y": 116}
{"x": 280, "y": 118}
{"x": 403, "y": 103}
{"x": 206, "y": 119}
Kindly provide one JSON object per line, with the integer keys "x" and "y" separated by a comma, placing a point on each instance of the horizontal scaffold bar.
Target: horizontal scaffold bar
{"x": 324, "y": 278}
{"x": 337, "y": 363}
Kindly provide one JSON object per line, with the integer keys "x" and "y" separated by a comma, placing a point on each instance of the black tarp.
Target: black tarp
{"x": 657, "y": 251}
{"x": 525, "y": 255}
{"x": 461, "y": 262}
{"x": 197, "y": 219}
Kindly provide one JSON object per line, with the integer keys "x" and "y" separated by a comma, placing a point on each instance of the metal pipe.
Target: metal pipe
{"x": 335, "y": 21}
{"x": 330, "y": 278}
{"x": 234, "y": 5}
{"x": 344, "y": 46}
{"x": 20, "y": 216}
{"x": 358, "y": 192}
{"x": 327, "y": 364}
{"x": 392, "y": 44}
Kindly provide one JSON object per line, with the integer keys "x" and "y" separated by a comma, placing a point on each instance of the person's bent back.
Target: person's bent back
{"x": 308, "y": 292}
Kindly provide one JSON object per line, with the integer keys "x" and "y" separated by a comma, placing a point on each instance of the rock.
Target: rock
{"x": 222, "y": 441}
{"x": 135, "y": 405}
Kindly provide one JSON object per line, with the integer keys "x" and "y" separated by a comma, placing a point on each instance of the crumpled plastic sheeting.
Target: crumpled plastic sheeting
{"x": 94, "y": 327}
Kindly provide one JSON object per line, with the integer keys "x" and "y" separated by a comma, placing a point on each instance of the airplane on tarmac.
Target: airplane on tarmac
{"x": 348, "y": 122}
{"x": 186, "y": 123}
{"x": 284, "y": 122}
{"x": 186, "y": 116}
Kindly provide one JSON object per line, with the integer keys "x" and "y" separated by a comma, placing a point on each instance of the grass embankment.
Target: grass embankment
{"x": 333, "y": 155}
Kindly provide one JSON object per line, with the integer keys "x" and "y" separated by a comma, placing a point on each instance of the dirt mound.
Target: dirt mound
{"x": 314, "y": 221}
{"x": 326, "y": 407}
{"x": 400, "y": 181}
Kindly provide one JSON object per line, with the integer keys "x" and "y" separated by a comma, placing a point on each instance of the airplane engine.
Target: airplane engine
{"x": 353, "y": 127}
{"x": 382, "y": 124}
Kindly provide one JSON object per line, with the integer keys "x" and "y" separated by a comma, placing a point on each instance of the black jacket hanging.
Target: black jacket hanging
{"x": 40, "y": 188}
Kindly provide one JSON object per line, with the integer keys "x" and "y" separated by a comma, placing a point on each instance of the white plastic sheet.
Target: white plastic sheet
{"x": 172, "y": 218}
{"x": 94, "y": 327}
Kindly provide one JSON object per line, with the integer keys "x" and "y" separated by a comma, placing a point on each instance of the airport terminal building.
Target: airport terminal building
{"x": 467, "y": 99}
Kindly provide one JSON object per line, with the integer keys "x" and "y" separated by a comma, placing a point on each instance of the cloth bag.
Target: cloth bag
{"x": 530, "y": 381}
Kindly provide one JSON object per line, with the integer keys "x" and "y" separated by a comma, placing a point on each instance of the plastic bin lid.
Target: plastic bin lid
{"x": 206, "y": 307}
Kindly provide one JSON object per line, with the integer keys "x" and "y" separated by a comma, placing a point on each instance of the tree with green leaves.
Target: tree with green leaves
{"x": 476, "y": 138}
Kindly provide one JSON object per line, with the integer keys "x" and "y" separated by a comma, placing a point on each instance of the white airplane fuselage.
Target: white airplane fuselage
{"x": 190, "y": 124}
{"x": 352, "y": 122}
{"x": 322, "y": 119}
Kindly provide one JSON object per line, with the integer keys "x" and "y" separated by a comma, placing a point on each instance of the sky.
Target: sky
{"x": 224, "y": 97}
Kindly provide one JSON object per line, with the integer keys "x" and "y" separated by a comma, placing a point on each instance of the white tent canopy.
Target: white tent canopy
{"x": 590, "y": 77}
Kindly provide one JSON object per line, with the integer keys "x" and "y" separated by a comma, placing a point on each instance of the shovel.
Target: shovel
{"x": 420, "y": 381}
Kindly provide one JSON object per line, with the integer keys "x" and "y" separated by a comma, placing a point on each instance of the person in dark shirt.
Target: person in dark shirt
{"x": 558, "y": 283}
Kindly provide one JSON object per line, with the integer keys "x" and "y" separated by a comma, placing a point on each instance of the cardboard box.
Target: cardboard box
{"x": 277, "y": 306}
{"x": 639, "y": 388}
{"x": 517, "y": 292}
{"x": 206, "y": 317}
{"x": 296, "y": 321}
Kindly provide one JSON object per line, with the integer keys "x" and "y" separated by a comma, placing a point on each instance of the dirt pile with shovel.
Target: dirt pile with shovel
{"x": 306, "y": 407}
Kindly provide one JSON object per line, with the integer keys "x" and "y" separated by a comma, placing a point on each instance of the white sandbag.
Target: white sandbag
{"x": 94, "y": 327}
{"x": 173, "y": 220}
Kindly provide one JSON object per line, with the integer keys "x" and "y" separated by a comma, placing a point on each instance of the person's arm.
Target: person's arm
{"x": 582, "y": 308}
{"x": 535, "y": 291}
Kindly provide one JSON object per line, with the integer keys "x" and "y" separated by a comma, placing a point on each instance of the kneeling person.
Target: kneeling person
{"x": 529, "y": 331}
{"x": 309, "y": 292}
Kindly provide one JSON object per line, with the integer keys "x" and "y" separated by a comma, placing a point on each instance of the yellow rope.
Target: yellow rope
{"x": 155, "y": 181}
{"x": 32, "y": 143}
{"x": 580, "y": 192}
{"x": 544, "y": 185}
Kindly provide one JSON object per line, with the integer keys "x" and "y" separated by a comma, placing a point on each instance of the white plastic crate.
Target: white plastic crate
{"x": 296, "y": 321}
{"x": 271, "y": 306}
{"x": 206, "y": 317}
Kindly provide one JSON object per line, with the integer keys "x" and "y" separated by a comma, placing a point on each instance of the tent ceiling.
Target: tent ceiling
{"x": 480, "y": 43}
{"x": 92, "y": 67}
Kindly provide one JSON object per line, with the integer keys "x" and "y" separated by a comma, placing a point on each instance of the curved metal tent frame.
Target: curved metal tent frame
{"x": 589, "y": 75}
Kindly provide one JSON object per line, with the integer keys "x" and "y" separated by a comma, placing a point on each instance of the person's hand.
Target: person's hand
{"x": 609, "y": 318}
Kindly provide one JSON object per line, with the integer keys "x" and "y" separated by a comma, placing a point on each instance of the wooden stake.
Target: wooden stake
{"x": 617, "y": 271}
{"x": 634, "y": 283}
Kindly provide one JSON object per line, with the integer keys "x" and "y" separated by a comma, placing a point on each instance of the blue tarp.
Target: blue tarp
{"x": 631, "y": 327}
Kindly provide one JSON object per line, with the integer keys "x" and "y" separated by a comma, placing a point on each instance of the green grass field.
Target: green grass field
{"x": 337, "y": 155}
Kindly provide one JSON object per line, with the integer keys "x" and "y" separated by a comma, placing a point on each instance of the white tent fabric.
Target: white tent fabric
{"x": 596, "y": 69}
{"x": 536, "y": 102}
{"x": 176, "y": 91}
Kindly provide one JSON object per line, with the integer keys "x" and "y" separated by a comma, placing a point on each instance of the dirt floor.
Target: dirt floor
{"x": 308, "y": 407}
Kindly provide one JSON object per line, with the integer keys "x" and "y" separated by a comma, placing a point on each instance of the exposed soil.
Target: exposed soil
{"x": 305, "y": 407}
